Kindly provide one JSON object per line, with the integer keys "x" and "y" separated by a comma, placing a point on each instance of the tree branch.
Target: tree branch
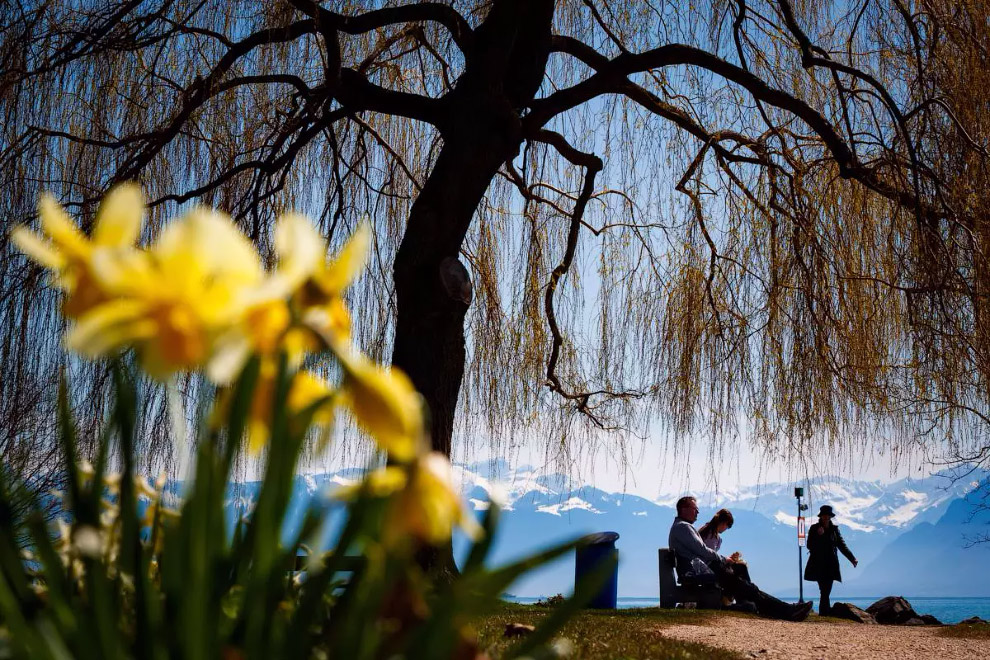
{"x": 358, "y": 94}
{"x": 204, "y": 88}
{"x": 436, "y": 12}
{"x": 609, "y": 73}
{"x": 593, "y": 165}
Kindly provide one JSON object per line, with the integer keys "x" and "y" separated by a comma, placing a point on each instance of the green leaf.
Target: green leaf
{"x": 584, "y": 591}
{"x": 481, "y": 547}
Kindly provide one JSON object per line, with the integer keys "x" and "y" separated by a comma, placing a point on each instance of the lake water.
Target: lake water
{"x": 946, "y": 610}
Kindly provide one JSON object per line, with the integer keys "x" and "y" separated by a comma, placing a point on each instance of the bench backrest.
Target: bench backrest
{"x": 668, "y": 579}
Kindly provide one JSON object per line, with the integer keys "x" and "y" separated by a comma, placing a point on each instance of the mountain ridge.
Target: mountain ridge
{"x": 542, "y": 509}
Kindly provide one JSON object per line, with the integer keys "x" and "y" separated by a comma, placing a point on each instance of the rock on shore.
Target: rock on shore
{"x": 852, "y": 613}
{"x": 896, "y": 610}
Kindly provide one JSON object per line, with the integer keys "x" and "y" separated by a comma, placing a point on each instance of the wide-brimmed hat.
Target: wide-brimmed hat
{"x": 826, "y": 510}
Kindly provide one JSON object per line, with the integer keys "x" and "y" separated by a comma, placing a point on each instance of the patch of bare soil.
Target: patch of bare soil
{"x": 773, "y": 640}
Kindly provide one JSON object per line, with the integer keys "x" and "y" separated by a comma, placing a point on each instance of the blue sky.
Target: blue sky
{"x": 653, "y": 468}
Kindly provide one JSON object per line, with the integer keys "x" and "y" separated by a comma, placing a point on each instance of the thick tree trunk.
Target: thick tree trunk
{"x": 433, "y": 292}
{"x": 503, "y": 73}
{"x": 432, "y": 289}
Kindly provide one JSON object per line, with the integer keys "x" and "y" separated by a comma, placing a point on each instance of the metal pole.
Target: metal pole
{"x": 799, "y": 493}
{"x": 800, "y": 581}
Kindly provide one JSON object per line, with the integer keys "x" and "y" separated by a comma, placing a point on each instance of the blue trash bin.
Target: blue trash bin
{"x": 588, "y": 559}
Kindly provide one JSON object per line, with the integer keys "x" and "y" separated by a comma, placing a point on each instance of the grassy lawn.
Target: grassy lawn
{"x": 607, "y": 634}
{"x": 967, "y": 631}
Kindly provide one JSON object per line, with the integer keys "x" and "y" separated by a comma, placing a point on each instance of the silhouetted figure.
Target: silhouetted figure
{"x": 824, "y": 544}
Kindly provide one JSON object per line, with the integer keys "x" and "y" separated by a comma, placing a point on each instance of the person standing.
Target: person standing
{"x": 824, "y": 544}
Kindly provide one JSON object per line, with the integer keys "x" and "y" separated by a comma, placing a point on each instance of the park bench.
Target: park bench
{"x": 705, "y": 593}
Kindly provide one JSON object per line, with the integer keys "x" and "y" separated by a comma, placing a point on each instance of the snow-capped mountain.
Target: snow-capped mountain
{"x": 872, "y": 515}
{"x": 540, "y": 510}
{"x": 934, "y": 559}
{"x": 865, "y": 506}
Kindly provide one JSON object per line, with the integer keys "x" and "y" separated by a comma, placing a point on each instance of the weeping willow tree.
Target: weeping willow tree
{"x": 589, "y": 215}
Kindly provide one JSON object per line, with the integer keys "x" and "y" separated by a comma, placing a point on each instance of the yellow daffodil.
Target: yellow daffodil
{"x": 304, "y": 285}
{"x": 144, "y": 489}
{"x": 156, "y": 514}
{"x": 265, "y": 329}
{"x": 331, "y": 277}
{"x": 320, "y": 298}
{"x": 301, "y": 253}
{"x": 424, "y": 501}
{"x": 172, "y": 302}
{"x": 266, "y": 326}
{"x": 430, "y": 505}
{"x": 68, "y": 252}
{"x": 259, "y": 331}
{"x": 384, "y": 403}
{"x": 382, "y": 482}
{"x": 306, "y": 390}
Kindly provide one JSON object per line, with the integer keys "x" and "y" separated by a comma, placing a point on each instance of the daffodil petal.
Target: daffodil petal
{"x": 306, "y": 390}
{"x": 431, "y": 505}
{"x": 384, "y": 403}
{"x": 119, "y": 218}
{"x": 56, "y": 223}
{"x": 300, "y": 248}
{"x": 297, "y": 343}
{"x": 206, "y": 247}
{"x": 122, "y": 272}
{"x": 257, "y": 436}
{"x": 108, "y": 327}
{"x": 36, "y": 248}
{"x": 115, "y": 337}
{"x": 349, "y": 262}
{"x": 143, "y": 488}
{"x": 175, "y": 259}
{"x": 223, "y": 247}
{"x": 382, "y": 482}
{"x": 229, "y": 357}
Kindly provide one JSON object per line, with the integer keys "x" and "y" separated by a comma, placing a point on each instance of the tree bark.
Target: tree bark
{"x": 429, "y": 332}
{"x": 481, "y": 130}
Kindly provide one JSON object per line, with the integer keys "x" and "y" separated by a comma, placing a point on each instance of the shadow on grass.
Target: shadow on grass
{"x": 607, "y": 634}
{"x": 814, "y": 618}
{"x": 967, "y": 631}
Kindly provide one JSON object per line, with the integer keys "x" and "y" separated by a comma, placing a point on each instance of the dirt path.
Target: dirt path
{"x": 773, "y": 640}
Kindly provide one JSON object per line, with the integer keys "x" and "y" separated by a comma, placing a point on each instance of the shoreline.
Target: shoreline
{"x": 948, "y": 609}
{"x": 825, "y": 639}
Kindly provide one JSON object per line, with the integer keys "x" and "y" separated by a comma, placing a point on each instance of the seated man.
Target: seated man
{"x": 696, "y": 560}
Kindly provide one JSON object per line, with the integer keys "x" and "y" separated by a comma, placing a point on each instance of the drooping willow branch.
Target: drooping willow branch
{"x": 609, "y": 73}
{"x": 592, "y": 165}
{"x": 760, "y": 290}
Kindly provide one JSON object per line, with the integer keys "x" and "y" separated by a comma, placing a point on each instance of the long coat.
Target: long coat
{"x": 823, "y": 554}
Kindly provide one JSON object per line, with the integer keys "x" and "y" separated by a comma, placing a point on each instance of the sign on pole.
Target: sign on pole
{"x": 799, "y": 493}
